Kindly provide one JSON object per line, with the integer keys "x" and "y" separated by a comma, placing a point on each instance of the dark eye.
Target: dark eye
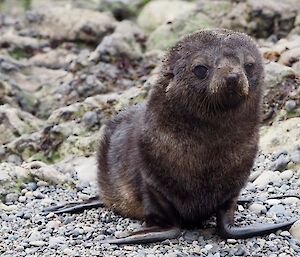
{"x": 249, "y": 67}
{"x": 200, "y": 71}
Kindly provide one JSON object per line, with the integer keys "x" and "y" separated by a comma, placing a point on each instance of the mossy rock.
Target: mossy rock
{"x": 168, "y": 34}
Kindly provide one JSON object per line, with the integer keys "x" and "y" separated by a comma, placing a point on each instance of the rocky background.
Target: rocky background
{"x": 66, "y": 66}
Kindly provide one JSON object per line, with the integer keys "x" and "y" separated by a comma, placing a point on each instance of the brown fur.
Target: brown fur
{"x": 188, "y": 150}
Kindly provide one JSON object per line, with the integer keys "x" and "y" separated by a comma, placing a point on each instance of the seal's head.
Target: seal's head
{"x": 217, "y": 70}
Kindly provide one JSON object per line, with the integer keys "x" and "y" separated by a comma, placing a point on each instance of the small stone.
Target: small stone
{"x": 208, "y": 247}
{"x": 295, "y": 156}
{"x": 13, "y": 158}
{"x": 22, "y": 199}
{"x": 231, "y": 241}
{"x": 5, "y": 207}
{"x": 267, "y": 177}
{"x": 31, "y": 186}
{"x": 277, "y": 209}
{"x": 53, "y": 224}
{"x": 55, "y": 242}
{"x": 272, "y": 202}
{"x": 68, "y": 251}
{"x": 257, "y": 208}
{"x": 90, "y": 119}
{"x": 285, "y": 233}
{"x": 42, "y": 183}
{"x": 29, "y": 194}
{"x": 291, "y": 200}
{"x": 290, "y": 105}
{"x": 120, "y": 234}
{"x": 191, "y": 236}
{"x": 287, "y": 174}
{"x": 240, "y": 252}
{"x": 11, "y": 198}
{"x": 37, "y": 243}
{"x": 281, "y": 163}
{"x": 295, "y": 230}
{"x": 35, "y": 236}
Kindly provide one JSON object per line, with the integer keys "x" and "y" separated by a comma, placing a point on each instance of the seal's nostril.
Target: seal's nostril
{"x": 232, "y": 78}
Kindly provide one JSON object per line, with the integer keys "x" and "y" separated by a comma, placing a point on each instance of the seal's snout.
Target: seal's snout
{"x": 232, "y": 79}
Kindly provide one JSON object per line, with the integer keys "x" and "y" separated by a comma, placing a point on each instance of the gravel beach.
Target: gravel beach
{"x": 68, "y": 66}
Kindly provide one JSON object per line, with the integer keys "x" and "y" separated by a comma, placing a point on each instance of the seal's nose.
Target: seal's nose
{"x": 232, "y": 78}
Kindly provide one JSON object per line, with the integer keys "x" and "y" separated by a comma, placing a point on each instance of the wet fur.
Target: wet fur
{"x": 177, "y": 158}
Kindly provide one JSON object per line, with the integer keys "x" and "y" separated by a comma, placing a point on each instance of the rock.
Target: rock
{"x": 295, "y": 156}
{"x": 37, "y": 243}
{"x": 90, "y": 119}
{"x": 267, "y": 177}
{"x": 126, "y": 41}
{"x": 8, "y": 208}
{"x": 282, "y": 134}
{"x": 258, "y": 208}
{"x": 290, "y": 105}
{"x": 290, "y": 200}
{"x": 16, "y": 123}
{"x": 287, "y": 174}
{"x": 168, "y": 34}
{"x": 53, "y": 224}
{"x": 258, "y": 18}
{"x": 58, "y": 23}
{"x": 54, "y": 59}
{"x": 11, "y": 198}
{"x": 13, "y": 158}
{"x": 45, "y": 172}
{"x": 295, "y": 230}
{"x": 276, "y": 73}
{"x": 55, "y": 242}
{"x": 154, "y": 13}
{"x": 277, "y": 209}
{"x": 280, "y": 163}
{"x": 13, "y": 41}
{"x": 272, "y": 202}
{"x": 290, "y": 56}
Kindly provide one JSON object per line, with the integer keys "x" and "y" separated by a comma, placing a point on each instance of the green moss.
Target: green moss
{"x": 39, "y": 157}
{"x": 19, "y": 53}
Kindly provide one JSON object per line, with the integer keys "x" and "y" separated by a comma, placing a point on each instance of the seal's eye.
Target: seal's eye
{"x": 200, "y": 71}
{"x": 249, "y": 67}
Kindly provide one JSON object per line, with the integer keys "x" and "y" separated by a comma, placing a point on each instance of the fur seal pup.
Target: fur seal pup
{"x": 186, "y": 152}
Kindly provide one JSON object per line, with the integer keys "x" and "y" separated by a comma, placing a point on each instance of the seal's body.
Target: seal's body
{"x": 186, "y": 153}
{"x": 188, "y": 150}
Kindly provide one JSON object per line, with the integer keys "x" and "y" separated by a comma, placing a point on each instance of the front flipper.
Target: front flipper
{"x": 226, "y": 228}
{"x": 147, "y": 235}
{"x": 75, "y": 207}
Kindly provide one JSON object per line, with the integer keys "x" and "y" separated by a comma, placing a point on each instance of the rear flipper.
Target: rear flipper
{"x": 227, "y": 229}
{"x": 147, "y": 235}
{"x": 75, "y": 207}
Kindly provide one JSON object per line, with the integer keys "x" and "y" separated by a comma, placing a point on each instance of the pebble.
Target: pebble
{"x": 287, "y": 174}
{"x": 291, "y": 200}
{"x": 281, "y": 163}
{"x": 257, "y": 208}
{"x": 52, "y": 224}
{"x": 295, "y": 230}
{"x": 290, "y": 105}
{"x": 267, "y": 177}
{"x": 295, "y": 156}
{"x": 231, "y": 241}
{"x": 90, "y": 119}
{"x": 273, "y": 201}
{"x": 277, "y": 209}
{"x": 11, "y": 197}
{"x": 5, "y": 207}
{"x": 55, "y": 242}
{"x": 37, "y": 243}
{"x": 22, "y": 199}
